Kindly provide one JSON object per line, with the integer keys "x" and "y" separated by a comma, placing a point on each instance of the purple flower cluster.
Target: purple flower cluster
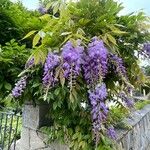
{"x": 111, "y": 133}
{"x": 42, "y": 10}
{"x": 118, "y": 65}
{"x": 72, "y": 59}
{"x": 146, "y": 49}
{"x": 19, "y": 87}
{"x": 128, "y": 101}
{"x": 30, "y": 63}
{"x": 52, "y": 61}
{"x": 99, "y": 109}
{"x": 95, "y": 61}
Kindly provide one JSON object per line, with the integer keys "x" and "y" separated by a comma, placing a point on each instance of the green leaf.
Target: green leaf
{"x": 42, "y": 34}
{"x": 57, "y": 91}
{"x": 119, "y": 32}
{"x": 62, "y": 79}
{"x": 49, "y": 5}
{"x": 111, "y": 38}
{"x": 36, "y": 40}
{"x": 56, "y": 7}
{"x": 55, "y": 105}
{"x": 75, "y": 136}
{"x": 36, "y": 85}
{"x": 1, "y": 85}
{"x": 45, "y": 17}
{"x": 65, "y": 33}
{"x": 7, "y": 86}
{"x": 29, "y": 34}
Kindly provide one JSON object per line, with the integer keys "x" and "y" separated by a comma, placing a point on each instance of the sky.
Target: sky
{"x": 129, "y": 5}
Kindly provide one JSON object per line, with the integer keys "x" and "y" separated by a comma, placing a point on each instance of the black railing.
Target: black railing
{"x": 10, "y": 126}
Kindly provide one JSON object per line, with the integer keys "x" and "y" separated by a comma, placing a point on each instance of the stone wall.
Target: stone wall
{"x": 138, "y": 137}
{"x": 31, "y": 138}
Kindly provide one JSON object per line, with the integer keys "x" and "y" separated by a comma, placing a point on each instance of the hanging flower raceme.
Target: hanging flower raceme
{"x": 111, "y": 133}
{"x": 118, "y": 66}
{"x": 99, "y": 109}
{"x": 29, "y": 63}
{"x": 19, "y": 87}
{"x": 95, "y": 62}
{"x": 72, "y": 59}
{"x": 42, "y": 10}
{"x": 128, "y": 101}
{"x": 146, "y": 49}
{"x": 52, "y": 61}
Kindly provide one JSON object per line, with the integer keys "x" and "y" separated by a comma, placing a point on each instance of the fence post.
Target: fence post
{"x": 34, "y": 117}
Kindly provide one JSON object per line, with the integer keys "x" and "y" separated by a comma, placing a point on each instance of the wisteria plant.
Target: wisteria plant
{"x": 85, "y": 58}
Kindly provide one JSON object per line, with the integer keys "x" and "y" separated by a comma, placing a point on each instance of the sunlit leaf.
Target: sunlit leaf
{"x": 29, "y": 34}
{"x": 111, "y": 38}
{"x": 36, "y": 40}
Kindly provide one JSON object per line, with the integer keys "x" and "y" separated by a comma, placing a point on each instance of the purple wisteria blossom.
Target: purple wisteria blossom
{"x": 30, "y": 63}
{"x": 42, "y": 10}
{"x": 118, "y": 65}
{"x": 111, "y": 133}
{"x": 146, "y": 49}
{"x": 128, "y": 101}
{"x": 95, "y": 62}
{"x": 52, "y": 61}
{"x": 99, "y": 109}
{"x": 19, "y": 87}
{"x": 72, "y": 59}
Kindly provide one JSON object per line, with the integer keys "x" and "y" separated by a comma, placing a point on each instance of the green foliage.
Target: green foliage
{"x": 141, "y": 104}
{"x": 147, "y": 70}
{"x": 11, "y": 130}
{"x": 12, "y": 60}
{"x": 117, "y": 116}
{"x": 16, "y": 21}
{"x": 123, "y": 35}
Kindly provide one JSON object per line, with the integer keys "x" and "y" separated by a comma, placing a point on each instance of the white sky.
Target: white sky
{"x": 130, "y": 5}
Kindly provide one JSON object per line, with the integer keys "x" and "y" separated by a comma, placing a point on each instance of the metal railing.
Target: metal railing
{"x": 10, "y": 126}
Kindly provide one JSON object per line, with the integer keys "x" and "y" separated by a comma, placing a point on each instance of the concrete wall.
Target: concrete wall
{"x": 138, "y": 137}
{"x": 31, "y": 138}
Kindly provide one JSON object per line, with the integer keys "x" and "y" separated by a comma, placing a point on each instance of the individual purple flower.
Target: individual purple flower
{"x": 111, "y": 133}
{"x": 19, "y": 87}
{"x": 30, "y": 63}
{"x": 72, "y": 59}
{"x": 95, "y": 62}
{"x": 117, "y": 64}
{"x": 42, "y": 10}
{"x": 128, "y": 101}
{"x": 99, "y": 109}
{"x": 146, "y": 49}
{"x": 52, "y": 61}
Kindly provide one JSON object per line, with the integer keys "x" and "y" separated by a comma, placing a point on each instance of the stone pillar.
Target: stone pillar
{"x": 33, "y": 119}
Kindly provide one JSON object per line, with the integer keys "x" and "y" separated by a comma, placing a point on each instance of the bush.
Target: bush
{"x": 16, "y": 21}
{"x": 12, "y": 60}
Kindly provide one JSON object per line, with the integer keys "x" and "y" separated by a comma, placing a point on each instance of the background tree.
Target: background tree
{"x": 16, "y": 21}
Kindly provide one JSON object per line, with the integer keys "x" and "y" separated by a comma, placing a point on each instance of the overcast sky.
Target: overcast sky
{"x": 130, "y": 5}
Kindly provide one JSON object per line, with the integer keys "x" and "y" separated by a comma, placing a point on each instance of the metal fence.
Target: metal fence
{"x": 10, "y": 126}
